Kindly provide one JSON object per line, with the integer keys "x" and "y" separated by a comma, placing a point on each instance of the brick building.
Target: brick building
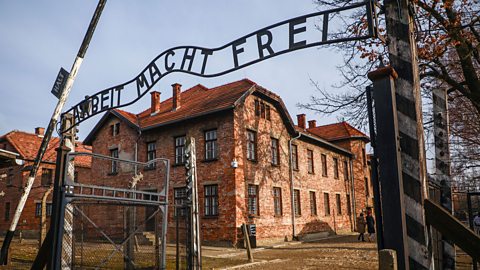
{"x": 18, "y": 150}
{"x": 243, "y": 134}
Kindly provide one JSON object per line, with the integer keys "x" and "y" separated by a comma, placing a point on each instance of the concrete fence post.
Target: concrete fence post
{"x": 387, "y": 259}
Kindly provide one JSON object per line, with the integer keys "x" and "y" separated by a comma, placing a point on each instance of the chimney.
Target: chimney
{"x": 177, "y": 100}
{"x": 312, "y": 124}
{"x": 155, "y": 107}
{"x": 40, "y": 131}
{"x": 301, "y": 120}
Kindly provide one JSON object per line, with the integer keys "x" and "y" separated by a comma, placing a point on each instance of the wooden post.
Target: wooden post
{"x": 387, "y": 259}
{"x": 442, "y": 167}
{"x": 403, "y": 58}
{"x": 247, "y": 243}
{"x": 390, "y": 164}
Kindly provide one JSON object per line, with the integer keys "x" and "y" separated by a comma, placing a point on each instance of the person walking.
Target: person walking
{"x": 370, "y": 226}
{"x": 476, "y": 223}
{"x": 361, "y": 227}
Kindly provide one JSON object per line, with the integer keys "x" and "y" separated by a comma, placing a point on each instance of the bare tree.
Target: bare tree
{"x": 448, "y": 40}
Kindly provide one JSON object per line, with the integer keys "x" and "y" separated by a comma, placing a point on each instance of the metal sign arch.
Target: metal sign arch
{"x": 162, "y": 65}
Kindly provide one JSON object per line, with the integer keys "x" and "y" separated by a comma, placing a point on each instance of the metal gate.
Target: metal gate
{"x": 117, "y": 217}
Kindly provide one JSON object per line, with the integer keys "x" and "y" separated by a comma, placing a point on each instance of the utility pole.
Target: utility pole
{"x": 51, "y": 127}
{"x": 403, "y": 58}
{"x": 442, "y": 166}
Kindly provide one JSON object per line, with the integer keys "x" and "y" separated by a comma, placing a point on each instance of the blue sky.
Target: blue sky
{"x": 39, "y": 37}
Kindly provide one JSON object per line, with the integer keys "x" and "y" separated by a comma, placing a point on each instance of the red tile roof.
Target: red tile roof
{"x": 338, "y": 131}
{"x": 196, "y": 101}
{"x": 27, "y": 145}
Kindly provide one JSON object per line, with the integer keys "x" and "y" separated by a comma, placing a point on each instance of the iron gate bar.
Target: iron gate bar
{"x": 143, "y": 85}
{"x": 103, "y": 234}
{"x": 109, "y": 193}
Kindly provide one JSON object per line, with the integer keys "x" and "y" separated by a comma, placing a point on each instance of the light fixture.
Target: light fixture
{"x": 234, "y": 163}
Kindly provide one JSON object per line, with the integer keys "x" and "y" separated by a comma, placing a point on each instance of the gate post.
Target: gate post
{"x": 390, "y": 166}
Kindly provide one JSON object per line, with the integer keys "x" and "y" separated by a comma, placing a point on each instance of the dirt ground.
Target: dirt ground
{"x": 338, "y": 252}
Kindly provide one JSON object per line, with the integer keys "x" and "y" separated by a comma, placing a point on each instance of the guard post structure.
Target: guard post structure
{"x": 389, "y": 163}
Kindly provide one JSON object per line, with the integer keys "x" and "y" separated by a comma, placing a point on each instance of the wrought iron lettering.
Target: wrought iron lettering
{"x": 271, "y": 41}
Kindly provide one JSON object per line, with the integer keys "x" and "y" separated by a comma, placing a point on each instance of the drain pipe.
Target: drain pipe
{"x": 291, "y": 183}
{"x": 354, "y": 204}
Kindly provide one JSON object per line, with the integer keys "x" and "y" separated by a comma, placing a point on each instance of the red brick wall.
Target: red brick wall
{"x": 267, "y": 176}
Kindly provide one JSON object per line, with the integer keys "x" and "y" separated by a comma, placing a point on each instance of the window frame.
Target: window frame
{"x": 211, "y": 199}
{"x": 324, "y": 165}
{"x": 345, "y": 170}
{"x": 275, "y": 151}
{"x": 277, "y": 202}
{"x": 213, "y": 143}
{"x": 310, "y": 162}
{"x": 313, "y": 203}
{"x": 115, "y": 129}
{"x": 255, "y": 198}
{"x": 326, "y": 204}
{"x": 349, "y": 206}
{"x": 114, "y": 163}
{"x": 295, "y": 157}
{"x": 152, "y": 152}
{"x": 179, "y": 200}
{"x": 297, "y": 206}
{"x": 367, "y": 190}
{"x": 267, "y": 112}
{"x": 251, "y": 143}
{"x": 7, "y": 211}
{"x": 335, "y": 168}
{"x": 179, "y": 158}
{"x": 338, "y": 202}
{"x": 257, "y": 107}
{"x": 47, "y": 177}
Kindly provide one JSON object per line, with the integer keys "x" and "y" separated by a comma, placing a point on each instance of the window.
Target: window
{"x": 262, "y": 110}
{"x": 367, "y": 191}
{"x": 324, "y": 165}
{"x": 349, "y": 207}
{"x": 180, "y": 197}
{"x": 339, "y": 204}
{"x": 277, "y": 201}
{"x": 114, "y": 154}
{"x": 310, "y": 161}
{"x": 10, "y": 177}
{"x": 313, "y": 203}
{"x": 211, "y": 144}
{"x": 326, "y": 203}
{"x": 75, "y": 176}
{"x": 115, "y": 129}
{"x": 345, "y": 170}
{"x": 364, "y": 157}
{"x": 47, "y": 175}
{"x": 275, "y": 152}
{"x": 294, "y": 157}
{"x": 180, "y": 150}
{"x": 151, "y": 154}
{"x": 211, "y": 200}
{"x": 7, "y": 211}
{"x": 251, "y": 145}
{"x": 257, "y": 108}
{"x": 267, "y": 107}
{"x": 253, "y": 200}
{"x": 49, "y": 209}
{"x": 296, "y": 202}
{"x": 38, "y": 209}
{"x": 335, "y": 168}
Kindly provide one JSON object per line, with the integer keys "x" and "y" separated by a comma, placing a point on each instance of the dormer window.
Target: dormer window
{"x": 115, "y": 129}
